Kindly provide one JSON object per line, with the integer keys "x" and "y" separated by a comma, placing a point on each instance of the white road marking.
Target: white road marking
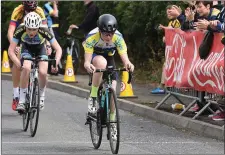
{"x": 79, "y": 142}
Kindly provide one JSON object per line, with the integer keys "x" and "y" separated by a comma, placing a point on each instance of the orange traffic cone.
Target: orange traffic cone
{"x": 69, "y": 72}
{"x": 126, "y": 89}
{"x": 5, "y": 63}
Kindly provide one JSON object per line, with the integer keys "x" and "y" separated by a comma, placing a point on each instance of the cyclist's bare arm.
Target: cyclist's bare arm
{"x": 11, "y": 30}
{"x": 12, "y": 54}
{"x": 87, "y": 62}
{"x": 126, "y": 62}
{"x": 87, "y": 57}
{"x": 58, "y": 50}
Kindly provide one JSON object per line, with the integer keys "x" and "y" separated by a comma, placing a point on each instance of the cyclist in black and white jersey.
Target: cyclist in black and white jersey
{"x": 32, "y": 37}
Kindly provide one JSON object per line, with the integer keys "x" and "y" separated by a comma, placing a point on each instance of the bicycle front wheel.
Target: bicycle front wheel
{"x": 34, "y": 109}
{"x": 114, "y": 123}
{"x": 96, "y": 130}
{"x": 95, "y": 124}
{"x": 26, "y": 116}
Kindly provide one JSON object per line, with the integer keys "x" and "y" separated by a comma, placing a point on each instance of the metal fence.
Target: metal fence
{"x": 204, "y": 98}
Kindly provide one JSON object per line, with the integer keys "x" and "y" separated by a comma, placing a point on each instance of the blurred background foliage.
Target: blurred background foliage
{"x": 137, "y": 20}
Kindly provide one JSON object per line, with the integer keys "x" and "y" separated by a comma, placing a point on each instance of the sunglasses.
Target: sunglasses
{"x": 110, "y": 34}
{"x": 30, "y": 29}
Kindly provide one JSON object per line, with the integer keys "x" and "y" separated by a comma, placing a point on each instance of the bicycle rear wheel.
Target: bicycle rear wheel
{"x": 114, "y": 125}
{"x": 34, "y": 109}
{"x": 76, "y": 56}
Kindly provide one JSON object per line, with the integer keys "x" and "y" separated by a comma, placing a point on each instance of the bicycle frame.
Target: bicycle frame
{"x": 107, "y": 84}
{"x": 70, "y": 49}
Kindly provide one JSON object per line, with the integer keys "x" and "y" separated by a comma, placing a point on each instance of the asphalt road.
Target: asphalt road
{"x": 61, "y": 130}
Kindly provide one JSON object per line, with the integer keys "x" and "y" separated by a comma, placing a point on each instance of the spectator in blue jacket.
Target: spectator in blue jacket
{"x": 206, "y": 14}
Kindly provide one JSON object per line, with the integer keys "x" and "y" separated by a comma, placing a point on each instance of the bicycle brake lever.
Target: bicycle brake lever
{"x": 129, "y": 77}
{"x": 54, "y": 63}
{"x": 90, "y": 80}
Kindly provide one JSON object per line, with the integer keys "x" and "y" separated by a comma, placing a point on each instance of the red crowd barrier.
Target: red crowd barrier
{"x": 184, "y": 68}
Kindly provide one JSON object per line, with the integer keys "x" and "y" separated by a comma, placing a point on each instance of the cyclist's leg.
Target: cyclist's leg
{"x": 24, "y": 77}
{"x": 16, "y": 83}
{"x": 100, "y": 63}
{"x": 43, "y": 69}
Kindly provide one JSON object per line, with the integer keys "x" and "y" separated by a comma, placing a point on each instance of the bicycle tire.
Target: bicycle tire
{"x": 97, "y": 142}
{"x": 26, "y": 114}
{"x": 76, "y": 56}
{"x": 35, "y": 108}
{"x": 114, "y": 148}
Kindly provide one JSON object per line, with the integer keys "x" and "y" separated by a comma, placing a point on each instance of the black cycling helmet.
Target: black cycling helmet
{"x": 107, "y": 23}
{"x": 30, "y": 5}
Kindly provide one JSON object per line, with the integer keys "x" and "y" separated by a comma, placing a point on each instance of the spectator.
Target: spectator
{"x": 206, "y": 14}
{"x": 176, "y": 18}
{"x": 219, "y": 25}
{"x": 218, "y": 5}
{"x": 191, "y": 16}
{"x": 90, "y": 20}
{"x": 52, "y": 14}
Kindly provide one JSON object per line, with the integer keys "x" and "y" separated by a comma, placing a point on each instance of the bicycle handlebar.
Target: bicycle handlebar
{"x": 111, "y": 70}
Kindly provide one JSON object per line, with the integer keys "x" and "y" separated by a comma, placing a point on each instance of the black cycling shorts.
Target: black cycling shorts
{"x": 33, "y": 51}
{"x": 110, "y": 62}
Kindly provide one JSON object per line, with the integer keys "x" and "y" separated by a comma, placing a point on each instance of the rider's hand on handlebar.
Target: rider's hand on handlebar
{"x": 129, "y": 67}
{"x": 54, "y": 69}
{"x": 89, "y": 67}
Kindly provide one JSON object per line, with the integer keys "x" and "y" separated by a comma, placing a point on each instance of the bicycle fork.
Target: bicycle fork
{"x": 107, "y": 104}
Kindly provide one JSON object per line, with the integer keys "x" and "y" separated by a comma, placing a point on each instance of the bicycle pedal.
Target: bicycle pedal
{"x": 87, "y": 122}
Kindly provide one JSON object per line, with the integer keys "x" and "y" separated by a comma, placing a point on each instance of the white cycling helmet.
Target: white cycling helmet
{"x": 32, "y": 20}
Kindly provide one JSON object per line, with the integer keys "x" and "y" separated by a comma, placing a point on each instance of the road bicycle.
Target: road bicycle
{"x": 32, "y": 104}
{"x": 106, "y": 96}
{"x": 72, "y": 48}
